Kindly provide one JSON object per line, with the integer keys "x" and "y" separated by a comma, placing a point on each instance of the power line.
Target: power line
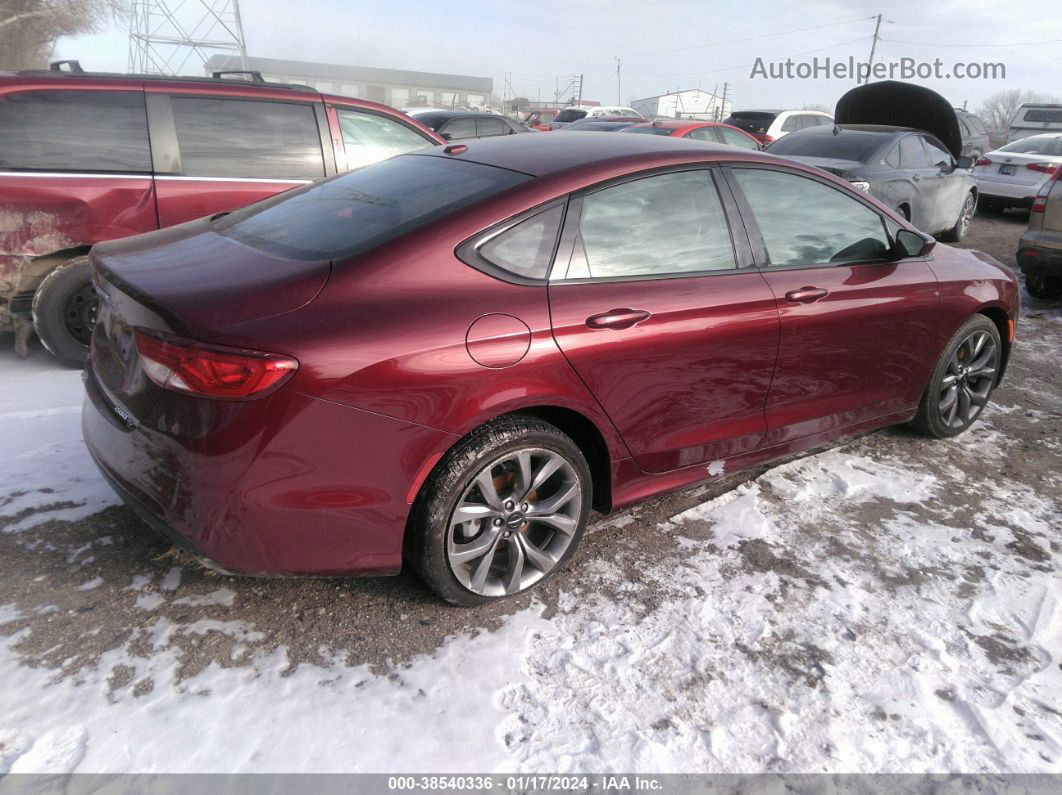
{"x": 940, "y": 44}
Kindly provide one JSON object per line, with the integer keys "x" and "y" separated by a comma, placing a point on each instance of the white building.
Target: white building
{"x": 690, "y": 104}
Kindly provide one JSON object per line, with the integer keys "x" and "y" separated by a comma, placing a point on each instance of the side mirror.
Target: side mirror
{"x": 964, "y": 162}
{"x": 912, "y": 244}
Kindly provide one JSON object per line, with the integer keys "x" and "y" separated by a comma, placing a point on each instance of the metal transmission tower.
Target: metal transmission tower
{"x": 169, "y": 36}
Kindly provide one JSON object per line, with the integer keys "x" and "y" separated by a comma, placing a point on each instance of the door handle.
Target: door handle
{"x": 806, "y": 295}
{"x": 916, "y": 177}
{"x": 617, "y": 318}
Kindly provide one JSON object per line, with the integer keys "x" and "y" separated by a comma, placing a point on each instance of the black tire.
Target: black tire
{"x": 962, "y": 224}
{"x": 1043, "y": 286}
{"x": 64, "y": 312}
{"x": 931, "y": 418}
{"x": 429, "y": 530}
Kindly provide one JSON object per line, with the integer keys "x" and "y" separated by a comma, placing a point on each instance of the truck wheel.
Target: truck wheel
{"x": 64, "y": 312}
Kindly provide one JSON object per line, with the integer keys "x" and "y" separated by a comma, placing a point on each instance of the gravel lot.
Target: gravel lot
{"x": 74, "y": 592}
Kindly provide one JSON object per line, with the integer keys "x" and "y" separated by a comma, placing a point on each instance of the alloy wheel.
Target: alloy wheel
{"x": 968, "y": 380}
{"x": 514, "y": 522}
{"x": 966, "y": 216}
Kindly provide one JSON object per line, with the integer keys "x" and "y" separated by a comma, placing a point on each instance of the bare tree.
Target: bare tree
{"x": 30, "y": 28}
{"x": 817, "y": 106}
{"x": 998, "y": 110}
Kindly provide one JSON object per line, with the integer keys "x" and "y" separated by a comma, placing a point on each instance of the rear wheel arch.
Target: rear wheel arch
{"x": 580, "y": 428}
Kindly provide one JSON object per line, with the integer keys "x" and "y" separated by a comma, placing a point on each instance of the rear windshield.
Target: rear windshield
{"x": 753, "y": 121}
{"x": 356, "y": 211}
{"x": 649, "y": 130}
{"x": 845, "y": 145}
{"x": 570, "y": 114}
{"x": 1046, "y": 145}
{"x": 1048, "y": 115}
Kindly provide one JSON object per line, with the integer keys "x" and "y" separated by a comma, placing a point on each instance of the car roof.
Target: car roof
{"x": 455, "y": 114}
{"x": 542, "y": 155}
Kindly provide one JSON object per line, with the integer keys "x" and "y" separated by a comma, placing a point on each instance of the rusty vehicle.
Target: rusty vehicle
{"x": 88, "y": 157}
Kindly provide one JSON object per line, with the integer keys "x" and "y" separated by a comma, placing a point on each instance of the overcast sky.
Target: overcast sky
{"x": 663, "y": 44}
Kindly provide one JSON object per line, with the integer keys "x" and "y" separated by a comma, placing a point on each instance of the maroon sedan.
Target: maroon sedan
{"x": 450, "y": 357}
{"x": 709, "y": 131}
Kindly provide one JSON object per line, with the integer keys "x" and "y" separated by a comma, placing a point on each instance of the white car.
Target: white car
{"x": 578, "y": 112}
{"x": 1012, "y": 175}
{"x": 767, "y": 126}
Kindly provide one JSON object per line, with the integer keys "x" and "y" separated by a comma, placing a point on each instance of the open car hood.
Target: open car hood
{"x": 899, "y": 104}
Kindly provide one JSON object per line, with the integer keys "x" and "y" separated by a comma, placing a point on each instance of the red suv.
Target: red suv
{"x": 90, "y": 157}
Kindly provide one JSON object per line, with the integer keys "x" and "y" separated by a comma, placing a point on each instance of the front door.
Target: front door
{"x": 855, "y": 317}
{"x": 649, "y": 305}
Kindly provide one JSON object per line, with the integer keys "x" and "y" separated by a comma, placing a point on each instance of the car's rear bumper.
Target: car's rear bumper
{"x": 1010, "y": 192}
{"x": 1040, "y": 252}
{"x": 321, "y": 491}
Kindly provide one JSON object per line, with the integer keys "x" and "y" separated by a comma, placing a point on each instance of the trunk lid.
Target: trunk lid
{"x": 186, "y": 281}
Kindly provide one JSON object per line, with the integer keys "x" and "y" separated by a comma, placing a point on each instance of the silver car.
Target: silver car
{"x": 1012, "y": 175}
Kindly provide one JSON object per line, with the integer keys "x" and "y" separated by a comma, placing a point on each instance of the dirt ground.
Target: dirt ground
{"x": 384, "y": 622}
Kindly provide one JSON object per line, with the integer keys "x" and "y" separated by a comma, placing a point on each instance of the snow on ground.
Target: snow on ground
{"x": 858, "y": 610}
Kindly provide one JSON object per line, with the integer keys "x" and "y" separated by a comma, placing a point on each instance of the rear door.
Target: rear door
{"x": 952, "y": 183}
{"x": 215, "y": 153}
{"x": 856, "y": 319}
{"x": 919, "y": 169}
{"x": 653, "y": 303}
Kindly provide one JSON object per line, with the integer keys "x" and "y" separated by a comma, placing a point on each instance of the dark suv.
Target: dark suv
{"x": 88, "y": 157}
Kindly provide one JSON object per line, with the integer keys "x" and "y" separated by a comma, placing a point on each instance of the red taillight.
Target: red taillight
{"x": 768, "y": 139}
{"x": 983, "y": 161}
{"x": 1039, "y": 204}
{"x": 1046, "y": 168}
{"x": 209, "y": 370}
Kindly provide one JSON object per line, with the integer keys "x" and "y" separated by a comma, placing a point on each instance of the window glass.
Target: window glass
{"x": 913, "y": 154}
{"x": 246, "y": 138}
{"x": 804, "y": 222}
{"x": 355, "y": 211}
{"x": 938, "y": 155}
{"x": 702, "y": 134}
{"x": 487, "y": 127}
{"x": 1044, "y": 115}
{"x": 460, "y": 128}
{"x": 978, "y": 125}
{"x": 1048, "y": 145}
{"x": 447, "y": 99}
{"x": 477, "y": 99}
{"x": 751, "y": 121}
{"x": 649, "y": 130}
{"x": 400, "y": 97}
{"x": 368, "y": 137}
{"x": 892, "y": 158}
{"x": 791, "y": 124}
{"x": 569, "y": 115}
{"x": 526, "y": 249}
{"x": 672, "y": 223}
{"x": 74, "y": 131}
{"x": 845, "y": 145}
{"x": 734, "y": 138}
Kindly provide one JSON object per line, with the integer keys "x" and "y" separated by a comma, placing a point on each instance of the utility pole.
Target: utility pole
{"x": 580, "y": 101}
{"x": 619, "y": 99}
{"x": 873, "y": 46}
{"x": 722, "y": 110}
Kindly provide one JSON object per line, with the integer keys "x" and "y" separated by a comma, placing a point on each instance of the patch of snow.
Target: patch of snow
{"x": 223, "y": 597}
{"x": 95, "y": 582}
